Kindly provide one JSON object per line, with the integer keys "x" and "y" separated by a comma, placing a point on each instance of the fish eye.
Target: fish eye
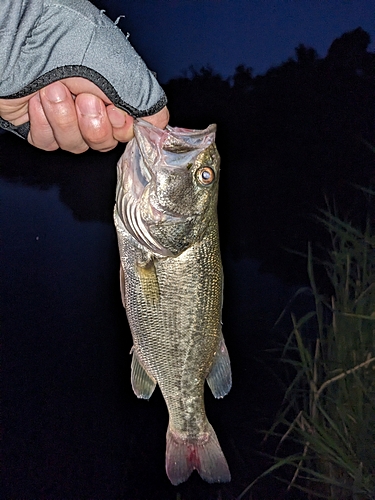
{"x": 205, "y": 175}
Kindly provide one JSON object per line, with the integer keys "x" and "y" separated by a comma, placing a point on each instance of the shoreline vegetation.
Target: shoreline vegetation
{"x": 328, "y": 413}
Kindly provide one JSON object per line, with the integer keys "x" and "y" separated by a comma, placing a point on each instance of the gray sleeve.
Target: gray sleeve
{"x": 42, "y": 41}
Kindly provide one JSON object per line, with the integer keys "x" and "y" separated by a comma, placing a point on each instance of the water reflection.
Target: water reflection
{"x": 73, "y": 428}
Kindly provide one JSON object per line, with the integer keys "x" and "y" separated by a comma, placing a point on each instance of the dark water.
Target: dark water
{"x": 73, "y": 429}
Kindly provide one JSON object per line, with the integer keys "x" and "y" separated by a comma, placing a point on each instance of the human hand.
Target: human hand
{"x": 73, "y": 114}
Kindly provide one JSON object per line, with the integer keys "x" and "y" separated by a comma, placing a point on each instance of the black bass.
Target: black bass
{"x": 171, "y": 285}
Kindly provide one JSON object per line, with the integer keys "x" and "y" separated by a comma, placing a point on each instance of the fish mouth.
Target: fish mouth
{"x": 171, "y": 147}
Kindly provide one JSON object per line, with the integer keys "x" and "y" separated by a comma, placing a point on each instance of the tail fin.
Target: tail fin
{"x": 202, "y": 454}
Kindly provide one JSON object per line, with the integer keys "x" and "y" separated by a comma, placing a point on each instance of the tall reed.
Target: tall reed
{"x": 328, "y": 412}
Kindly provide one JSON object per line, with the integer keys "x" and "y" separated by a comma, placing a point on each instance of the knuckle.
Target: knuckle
{"x": 97, "y": 136}
{"x": 123, "y": 135}
{"x": 78, "y": 149}
{"x": 100, "y": 141}
{"x": 51, "y": 147}
{"x": 105, "y": 150}
{"x": 64, "y": 122}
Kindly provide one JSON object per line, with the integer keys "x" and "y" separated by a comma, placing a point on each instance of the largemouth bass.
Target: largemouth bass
{"x": 171, "y": 285}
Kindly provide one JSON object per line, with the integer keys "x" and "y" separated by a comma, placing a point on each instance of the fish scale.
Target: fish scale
{"x": 172, "y": 287}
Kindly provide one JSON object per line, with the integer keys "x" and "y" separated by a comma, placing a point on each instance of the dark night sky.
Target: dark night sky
{"x": 171, "y": 35}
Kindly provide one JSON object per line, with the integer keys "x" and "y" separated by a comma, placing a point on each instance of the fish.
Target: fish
{"x": 171, "y": 281}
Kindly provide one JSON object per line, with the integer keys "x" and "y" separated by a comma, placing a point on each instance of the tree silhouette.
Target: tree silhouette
{"x": 349, "y": 51}
{"x": 243, "y": 79}
{"x": 306, "y": 55}
{"x": 288, "y": 139}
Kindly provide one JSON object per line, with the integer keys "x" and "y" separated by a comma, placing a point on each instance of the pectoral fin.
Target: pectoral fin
{"x": 149, "y": 281}
{"x": 143, "y": 385}
{"x": 220, "y": 377}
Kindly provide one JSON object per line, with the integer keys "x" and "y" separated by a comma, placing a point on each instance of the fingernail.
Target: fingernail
{"x": 55, "y": 92}
{"x": 89, "y": 105}
{"x": 116, "y": 117}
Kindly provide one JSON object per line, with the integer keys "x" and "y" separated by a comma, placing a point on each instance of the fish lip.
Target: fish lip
{"x": 177, "y": 131}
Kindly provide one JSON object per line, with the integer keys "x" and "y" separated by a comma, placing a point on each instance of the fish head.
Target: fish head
{"x": 168, "y": 186}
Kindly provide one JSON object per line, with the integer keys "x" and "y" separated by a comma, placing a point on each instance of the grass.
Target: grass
{"x": 328, "y": 414}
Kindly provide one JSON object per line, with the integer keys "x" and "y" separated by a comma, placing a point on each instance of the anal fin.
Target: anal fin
{"x": 143, "y": 385}
{"x": 220, "y": 377}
